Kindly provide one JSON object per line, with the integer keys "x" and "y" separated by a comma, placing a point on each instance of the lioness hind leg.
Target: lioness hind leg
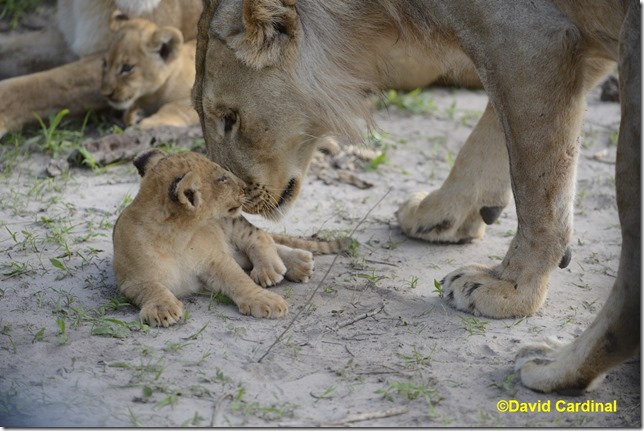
{"x": 159, "y": 306}
{"x": 473, "y": 195}
{"x": 574, "y": 368}
{"x": 615, "y": 333}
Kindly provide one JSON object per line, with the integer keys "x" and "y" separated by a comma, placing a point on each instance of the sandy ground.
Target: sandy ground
{"x": 372, "y": 345}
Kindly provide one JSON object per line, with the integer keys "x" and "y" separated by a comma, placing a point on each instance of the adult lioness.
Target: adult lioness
{"x": 273, "y": 73}
{"x": 60, "y": 68}
{"x": 148, "y": 72}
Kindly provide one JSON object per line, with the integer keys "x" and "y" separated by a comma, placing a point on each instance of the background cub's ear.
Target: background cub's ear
{"x": 185, "y": 190}
{"x": 146, "y": 160}
{"x": 118, "y": 20}
{"x": 166, "y": 42}
{"x": 268, "y": 36}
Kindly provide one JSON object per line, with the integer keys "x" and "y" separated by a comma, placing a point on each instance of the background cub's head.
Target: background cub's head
{"x": 139, "y": 60}
{"x": 188, "y": 185}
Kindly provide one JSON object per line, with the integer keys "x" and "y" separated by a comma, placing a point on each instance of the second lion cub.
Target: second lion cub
{"x": 184, "y": 233}
{"x": 148, "y": 72}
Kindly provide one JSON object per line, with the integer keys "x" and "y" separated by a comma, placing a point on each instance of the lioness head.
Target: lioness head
{"x": 139, "y": 59}
{"x": 264, "y": 95}
{"x": 189, "y": 185}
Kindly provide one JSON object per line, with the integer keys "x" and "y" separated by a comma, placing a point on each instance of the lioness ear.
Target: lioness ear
{"x": 146, "y": 160}
{"x": 185, "y": 190}
{"x": 166, "y": 42}
{"x": 270, "y": 28}
{"x": 118, "y": 19}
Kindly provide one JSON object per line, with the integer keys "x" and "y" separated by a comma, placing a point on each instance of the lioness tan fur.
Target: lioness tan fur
{"x": 60, "y": 68}
{"x": 274, "y": 75}
{"x": 148, "y": 72}
{"x": 183, "y": 233}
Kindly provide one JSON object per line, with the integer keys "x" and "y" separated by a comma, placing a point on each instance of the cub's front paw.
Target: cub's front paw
{"x": 299, "y": 264}
{"x": 263, "y": 303}
{"x": 269, "y": 273}
{"x": 162, "y": 313}
{"x": 478, "y": 289}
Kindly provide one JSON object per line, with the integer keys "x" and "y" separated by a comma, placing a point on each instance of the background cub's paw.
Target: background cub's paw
{"x": 477, "y": 289}
{"x": 162, "y": 313}
{"x": 299, "y": 264}
{"x": 269, "y": 273}
{"x": 264, "y": 303}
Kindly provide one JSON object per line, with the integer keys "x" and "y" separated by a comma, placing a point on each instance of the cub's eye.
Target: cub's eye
{"x": 223, "y": 179}
{"x": 229, "y": 121}
{"x": 126, "y": 68}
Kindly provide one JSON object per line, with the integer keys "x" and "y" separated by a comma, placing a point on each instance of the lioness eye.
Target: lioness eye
{"x": 229, "y": 121}
{"x": 222, "y": 179}
{"x": 126, "y": 68}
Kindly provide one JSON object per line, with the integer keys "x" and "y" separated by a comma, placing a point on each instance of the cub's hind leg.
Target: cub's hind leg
{"x": 159, "y": 306}
{"x": 299, "y": 263}
{"x": 473, "y": 195}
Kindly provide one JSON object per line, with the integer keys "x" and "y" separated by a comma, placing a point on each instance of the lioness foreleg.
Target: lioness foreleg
{"x": 473, "y": 195}
{"x": 541, "y": 116}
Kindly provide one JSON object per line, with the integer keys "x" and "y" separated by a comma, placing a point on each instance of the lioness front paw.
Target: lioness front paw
{"x": 162, "y": 313}
{"x": 269, "y": 273}
{"x": 437, "y": 218}
{"x": 299, "y": 264}
{"x": 550, "y": 366}
{"x": 263, "y": 303}
{"x": 478, "y": 289}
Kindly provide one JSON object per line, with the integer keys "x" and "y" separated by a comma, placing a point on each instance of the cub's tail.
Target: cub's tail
{"x": 314, "y": 245}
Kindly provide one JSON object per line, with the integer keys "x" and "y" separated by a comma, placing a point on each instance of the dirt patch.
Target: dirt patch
{"x": 375, "y": 345}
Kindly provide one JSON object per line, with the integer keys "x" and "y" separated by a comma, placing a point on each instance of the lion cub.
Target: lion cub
{"x": 184, "y": 233}
{"x": 148, "y": 72}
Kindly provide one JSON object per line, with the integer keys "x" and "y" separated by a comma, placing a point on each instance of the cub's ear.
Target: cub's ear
{"x": 118, "y": 20}
{"x": 269, "y": 33}
{"x": 166, "y": 42}
{"x": 185, "y": 190}
{"x": 146, "y": 160}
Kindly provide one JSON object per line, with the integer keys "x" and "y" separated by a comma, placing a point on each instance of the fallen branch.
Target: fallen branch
{"x": 125, "y": 146}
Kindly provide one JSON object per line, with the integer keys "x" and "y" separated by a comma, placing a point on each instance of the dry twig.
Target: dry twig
{"x": 368, "y": 416}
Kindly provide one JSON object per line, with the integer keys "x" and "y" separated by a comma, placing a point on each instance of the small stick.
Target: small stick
{"x": 219, "y": 410}
{"x": 356, "y": 319}
{"x": 380, "y": 262}
{"x": 368, "y": 416}
{"x": 308, "y": 301}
